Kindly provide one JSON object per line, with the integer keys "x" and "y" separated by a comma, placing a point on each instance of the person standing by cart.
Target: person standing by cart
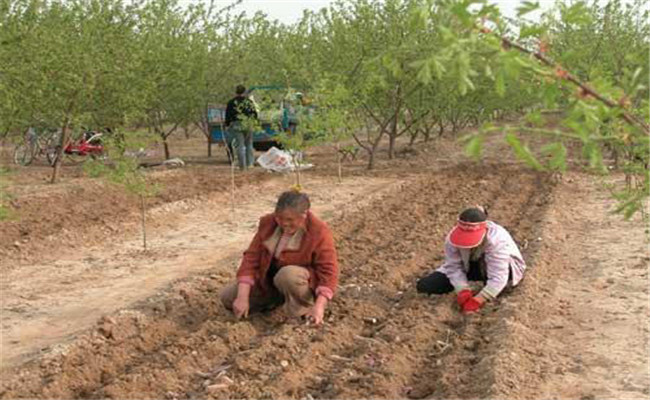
{"x": 238, "y": 110}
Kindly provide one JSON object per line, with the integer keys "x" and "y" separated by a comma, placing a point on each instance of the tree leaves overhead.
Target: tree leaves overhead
{"x": 523, "y": 152}
{"x": 527, "y": 7}
{"x": 378, "y": 69}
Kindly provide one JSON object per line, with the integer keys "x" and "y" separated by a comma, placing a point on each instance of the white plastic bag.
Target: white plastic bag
{"x": 281, "y": 161}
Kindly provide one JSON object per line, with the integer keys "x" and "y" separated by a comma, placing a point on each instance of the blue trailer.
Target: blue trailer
{"x": 263, "y": 139}
{"x": 273, "y": 119}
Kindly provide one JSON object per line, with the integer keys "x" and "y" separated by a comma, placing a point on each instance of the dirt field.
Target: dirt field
{"x": 87, "y": 314}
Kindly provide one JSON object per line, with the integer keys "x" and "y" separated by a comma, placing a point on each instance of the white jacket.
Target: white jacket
{"x": 502, "y": 257}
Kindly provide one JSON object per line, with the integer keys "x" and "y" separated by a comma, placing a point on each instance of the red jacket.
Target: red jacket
{"x": 312, "y": 248}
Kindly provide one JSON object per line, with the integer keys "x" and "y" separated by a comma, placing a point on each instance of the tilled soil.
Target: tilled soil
{"x": 381, "y": 339}
{"x": 48, "y": 221}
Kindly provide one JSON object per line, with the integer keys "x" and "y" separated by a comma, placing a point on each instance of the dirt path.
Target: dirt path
{"x": 600, "y": 332}
{"x": 49, "y": 303}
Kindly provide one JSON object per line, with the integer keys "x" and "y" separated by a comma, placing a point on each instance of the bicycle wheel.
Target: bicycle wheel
{"x": 73, "y": 158}
{"x": 23, "y": 155}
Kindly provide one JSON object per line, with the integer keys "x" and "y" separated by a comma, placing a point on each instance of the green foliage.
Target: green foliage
{"x": 523, "y": 152}
{"x": 332, "y": 118}
{"x": 535, "y": 118}
{"x": 123, "y": 169}
{"x": 527, "y": 7}
{"x": 474, "y": 146}
{"x": 557, "y": 153}
{"x": 374, "y": 68}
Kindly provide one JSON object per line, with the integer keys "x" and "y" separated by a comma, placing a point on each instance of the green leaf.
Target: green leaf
{"x": 595, "y": 158}
{"x": 535, "y": 118}
{"x": 577, "y": 13}
{"x": 550, "y": 95}
{"x": 469, "y": 83}
{"x": 527, "y": 7}
{"x": 577, "y": 127}
{"x": 628, "y": 205}
{"x": 438, "y": 68}
{"x": 474, "y": 147}
{"x": 527, "y": 31}
{"x": 523, "y": 152}
{"x": 424, "y": 74}
{"x": 512, "y": 66}
{"x": 557, "y": 151}
{"x": 500, "y": 83}
{"x": 488, "y": 71}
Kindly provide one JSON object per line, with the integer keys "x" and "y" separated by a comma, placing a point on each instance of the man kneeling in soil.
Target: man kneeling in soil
{"x": 291, "y": 260}
{"x": 476, "y": 250}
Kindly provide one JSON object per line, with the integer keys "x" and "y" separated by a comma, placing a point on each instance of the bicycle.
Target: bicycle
{"x": 34, "y": 146}
{"x": 89, "y": 144}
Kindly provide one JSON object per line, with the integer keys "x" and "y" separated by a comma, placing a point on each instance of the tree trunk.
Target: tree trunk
{"x": 392, "y": 135}
{"x": 414, "y": 136}
{"x": 204, "y": 126}
{"x": 166, "y": 147}
{"x": 391, "y": 145}
{"x": 373, "y": 151}
{"x": 59, "y": 151}
{"x": 371, "y": 160}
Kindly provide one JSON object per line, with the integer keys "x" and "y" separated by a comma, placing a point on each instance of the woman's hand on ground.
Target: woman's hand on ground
{"x": 463, "y": 296}
{"x": 473, "y": 305}
{"x": 240, "y": 307}
{"x": 317, "y": 312}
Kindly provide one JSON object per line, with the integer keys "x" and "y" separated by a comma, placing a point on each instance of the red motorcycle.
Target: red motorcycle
{"x": 89, "y": 144}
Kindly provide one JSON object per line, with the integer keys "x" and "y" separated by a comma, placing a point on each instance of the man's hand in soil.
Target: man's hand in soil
{"x": 317, "y": 312}
{"x": 463, "y": 296}
{"x": 241, "y": 304}
{"x": 473, "y": 305}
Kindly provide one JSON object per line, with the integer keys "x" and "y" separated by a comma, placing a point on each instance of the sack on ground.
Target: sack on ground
{"x": 281, "y": 161}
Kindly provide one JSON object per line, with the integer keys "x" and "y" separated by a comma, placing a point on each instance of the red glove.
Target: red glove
{"x": 472, "y": 305}
{"x": 463, "y": 296}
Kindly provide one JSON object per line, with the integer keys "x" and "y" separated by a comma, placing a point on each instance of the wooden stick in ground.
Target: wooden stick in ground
{"x": 297, "y": 165}
{"x": 338, "y": 161}
{"x": 144, "y": 226}
{"x": 232, "y": 180}
{"x": 231, "y": 158}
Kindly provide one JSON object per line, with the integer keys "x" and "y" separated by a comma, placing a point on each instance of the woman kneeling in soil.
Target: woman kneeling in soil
{"x": 476, "y": 250}
{"x": 291, "y": 260}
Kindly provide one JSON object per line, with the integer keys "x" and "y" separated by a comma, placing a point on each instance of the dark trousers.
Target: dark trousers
{"x": 438, "y": 283}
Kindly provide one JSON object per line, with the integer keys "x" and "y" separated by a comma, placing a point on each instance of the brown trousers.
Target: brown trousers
{"x": 290, "y": 286}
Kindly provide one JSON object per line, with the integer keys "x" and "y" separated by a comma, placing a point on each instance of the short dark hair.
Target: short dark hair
{"x": 473, "y": 214}
{"x": 294, "y": 200}
{"x": 240, "y": 89}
